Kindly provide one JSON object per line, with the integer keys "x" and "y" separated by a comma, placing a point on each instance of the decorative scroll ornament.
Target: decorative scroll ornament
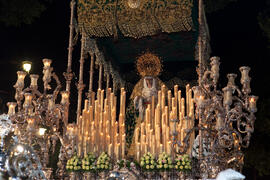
{"x": 134, "y": 18}
{"x": 5, "y": 126}
{"x": 23, "y": 162}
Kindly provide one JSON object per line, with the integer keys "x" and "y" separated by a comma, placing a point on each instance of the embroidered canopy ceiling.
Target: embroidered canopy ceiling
{"x": 134, "y": 18}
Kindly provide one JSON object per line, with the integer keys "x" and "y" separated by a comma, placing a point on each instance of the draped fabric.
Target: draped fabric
{"x": 101, "y": 18}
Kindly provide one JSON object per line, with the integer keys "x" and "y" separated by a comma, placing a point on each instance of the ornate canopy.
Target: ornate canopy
{"x": 134, "y": 18}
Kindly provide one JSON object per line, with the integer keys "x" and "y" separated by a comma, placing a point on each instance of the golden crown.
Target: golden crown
{"x": 149, "y": 64}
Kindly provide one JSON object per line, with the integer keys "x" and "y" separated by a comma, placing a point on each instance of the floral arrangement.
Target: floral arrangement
{"x": 74, "y": 164}
{"x": 103, "y": 162}
{"x": 148, "y": 162}
{"x": 182, "y": 163}
{"x": 164, "y": 162}
{"x": 88, "y": 162}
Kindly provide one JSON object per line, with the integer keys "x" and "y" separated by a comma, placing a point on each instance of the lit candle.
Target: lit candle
{"x": 252, "y": 103}
{"x": 34, "y": 79}
{"x": 11, "y": 108}
{"x": 65, "y": 97}
{"x": 20, "y": 81}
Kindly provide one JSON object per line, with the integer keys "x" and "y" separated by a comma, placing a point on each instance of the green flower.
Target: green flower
{"x": 142, "y": 163}
{"x": 147, "y": 166}
{"x": 152, "y": 166}
{"x": 147, "y": 162}
{"x": 166, "y": 166}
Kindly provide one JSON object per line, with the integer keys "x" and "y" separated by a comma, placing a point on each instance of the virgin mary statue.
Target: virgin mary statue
{"x": 148, "y": 66}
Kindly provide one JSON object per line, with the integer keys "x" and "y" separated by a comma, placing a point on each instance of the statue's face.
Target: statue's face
{"x": 149, "y": 82}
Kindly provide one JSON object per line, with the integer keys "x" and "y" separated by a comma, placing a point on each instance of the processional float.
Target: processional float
{"x": 195, "y": 134}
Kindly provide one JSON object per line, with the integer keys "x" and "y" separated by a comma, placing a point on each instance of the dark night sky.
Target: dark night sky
{"x": 235, "y": 37}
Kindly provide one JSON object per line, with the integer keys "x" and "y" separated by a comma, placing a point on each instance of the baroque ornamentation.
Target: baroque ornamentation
{"x": 134, "y": 18}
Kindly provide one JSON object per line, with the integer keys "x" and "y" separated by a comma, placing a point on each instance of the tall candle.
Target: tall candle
{"x": 153, "y": 107}
{"x": 161, "y": 150}
{"x": 159, "y": 97}
{"x": 124, "y": 103}
{"x": 179, "y": 103}
{"x": 187, "y": 99}
{"x": 136, "y": 135}
{"x": 101, "y": 100}
{"x": 138, "y": 150}
{"x": 169, "y": 99}
{"x": 110, "y": 149}
{"x": 175, "y": 94}
{"x": 123, "y": 146}
{"x": 118, "y": 151}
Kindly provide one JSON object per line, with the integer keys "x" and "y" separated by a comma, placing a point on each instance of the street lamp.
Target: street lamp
{"x": 27, "y": 66}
